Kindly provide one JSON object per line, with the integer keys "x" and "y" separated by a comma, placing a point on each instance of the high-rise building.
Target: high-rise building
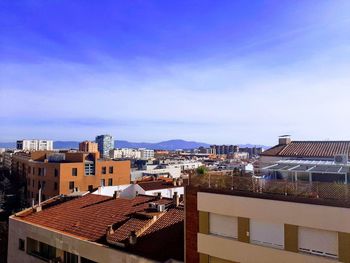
{"x": 105, "y": 144}
{"x": 87, "y": 146}
{"x": 35, "y": 145}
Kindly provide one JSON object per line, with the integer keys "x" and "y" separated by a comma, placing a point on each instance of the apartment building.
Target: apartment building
{"x": 62, "y": 173}
{"x": 105, "y": 144}
{"x": 87, "y": 146}
{"x": 121, "y": 153}
{"x": 224, "y": 149}
{"x": 34, "y": 145}
{"x": 236, "y": 220}
{"x": 96, "y": 228}
{"x": 146, "y": 154}
{"x": 7, "y": 158}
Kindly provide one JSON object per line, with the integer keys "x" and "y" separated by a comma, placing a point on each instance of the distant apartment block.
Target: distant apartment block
{"x": 127, "y": 153}
{"x": 87, "y": 146}
{"x": 242, "y": 220}
{"x": 34, "y": 145}
{"x": 146, "y": 153}
{"x": 96, "y": 228}
{"x": 252, "y": 151}
{"x": 105, "y": 144}
{"x": 63, "y": 173}
{"x": 224, "y": 149}
{"x": 7, "y": 158}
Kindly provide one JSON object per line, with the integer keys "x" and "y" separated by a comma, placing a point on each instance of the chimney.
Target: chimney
{"x": 110, "y": 230}
{"x": 116, "y": 194}
{"x": 137, "y": 193}
{"x": 284, "y": 140}
{"x": 159, "y": 195}
{"x": 132, "y": 238}
{"x": 176, "y": 199}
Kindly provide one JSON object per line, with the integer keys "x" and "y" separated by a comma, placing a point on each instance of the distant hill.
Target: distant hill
{"x": 8, "y": 145}
{"x": 165, "y": 145}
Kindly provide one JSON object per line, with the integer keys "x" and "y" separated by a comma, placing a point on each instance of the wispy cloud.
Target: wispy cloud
{"x": 283, "y": 81}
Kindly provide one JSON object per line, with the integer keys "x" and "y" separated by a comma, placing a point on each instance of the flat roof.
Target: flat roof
{"x": 312, "y": 166}
{"x": 320, "y": 193}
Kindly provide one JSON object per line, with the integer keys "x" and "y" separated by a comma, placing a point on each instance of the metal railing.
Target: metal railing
{"x": 338, "y": 192}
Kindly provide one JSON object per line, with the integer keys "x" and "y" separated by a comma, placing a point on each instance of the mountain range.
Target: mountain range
{"x": 164, "y": 145}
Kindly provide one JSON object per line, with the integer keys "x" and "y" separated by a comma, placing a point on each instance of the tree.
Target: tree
{"x": 202, "y": 170}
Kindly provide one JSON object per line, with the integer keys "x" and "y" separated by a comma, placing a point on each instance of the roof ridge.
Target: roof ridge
{"x": 319, "y": 141}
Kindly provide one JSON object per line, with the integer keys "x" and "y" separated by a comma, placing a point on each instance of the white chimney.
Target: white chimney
{"x": 284, "y": 140}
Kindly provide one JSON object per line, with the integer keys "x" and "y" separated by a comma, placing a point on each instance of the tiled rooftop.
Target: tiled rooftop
{"x": 323, "y": 149}
{"x": 88, "y": 217}
{"x": 156, "y": 185}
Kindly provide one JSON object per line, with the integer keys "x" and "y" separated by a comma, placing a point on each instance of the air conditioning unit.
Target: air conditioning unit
{"x": 341, "y": 158}
{"x": 160, "y": 208}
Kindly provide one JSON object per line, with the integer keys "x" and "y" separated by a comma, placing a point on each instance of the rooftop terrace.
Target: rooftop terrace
{"x": 320, "y": 193}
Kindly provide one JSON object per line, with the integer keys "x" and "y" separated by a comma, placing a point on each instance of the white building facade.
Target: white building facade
{"x": 34, "y": 145}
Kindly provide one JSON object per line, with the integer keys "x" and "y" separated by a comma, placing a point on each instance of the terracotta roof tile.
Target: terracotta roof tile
{"x": 316, "y": 149}
{"x": 155, "y": 185}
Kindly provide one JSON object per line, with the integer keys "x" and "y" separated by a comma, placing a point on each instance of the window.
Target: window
{"x": 70, "y": 258}
{"x": 28, "y": 169}
{"x": 111, "y": 169}
{"x": 40, "y": 250}
{"x": 56, "y": 172}
{"x": 71, "y": 185}
{"x": 110, "y": 181}
{"x": 21, "y": 244}
{"x": 89, "y": 168}
{"x": 33, "y": 171}
{"x": 55, "y": 186}
{"x": 104, "y": 171}
{"x": 33, "y": 183}
{"x": 39, "y": 171}
{"x": 266, "y": 233}
{"x": 103, "y": 182}
{"x": 28, "y": 182}
{"x": 223, "y": 225}
{"x": 43, "y": 183}
{"x": 74, "y": 171}
{"x": 318, "y": 242}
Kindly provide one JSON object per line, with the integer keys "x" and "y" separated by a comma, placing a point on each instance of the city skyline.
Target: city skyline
{"x": 236, "y": 72}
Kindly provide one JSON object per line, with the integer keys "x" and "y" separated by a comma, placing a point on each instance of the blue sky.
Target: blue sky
{"x": 212, "y": 71}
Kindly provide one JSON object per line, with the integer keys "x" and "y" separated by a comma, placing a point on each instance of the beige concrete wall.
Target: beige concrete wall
{"x": 232, "y": 250}
{"x": 314, "y": 216}
{"x": 93, "y": 251}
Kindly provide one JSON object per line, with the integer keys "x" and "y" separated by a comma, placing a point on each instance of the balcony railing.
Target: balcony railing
{"x": 338, "y": 193}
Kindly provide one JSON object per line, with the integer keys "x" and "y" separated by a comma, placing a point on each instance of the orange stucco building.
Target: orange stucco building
{"x": 65, "y": 172}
